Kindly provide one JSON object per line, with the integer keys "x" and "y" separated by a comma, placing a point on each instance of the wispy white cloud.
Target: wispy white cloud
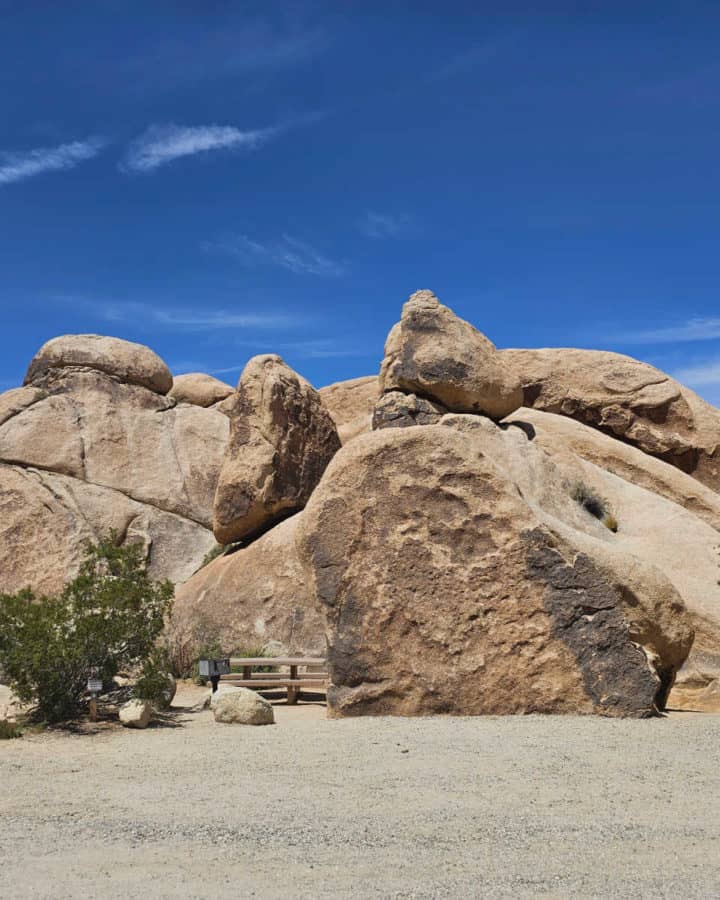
{"x": 323, "y": 348}
{"x": 287, "y": 253}
{"x": 194, "y": 318}
{"x": 701, "y": 375}
{"x": 159, "y": 145}
{"x": 18, "y": 166}
{"x": 384, "y": 225}
{"x": 696, "y": 329}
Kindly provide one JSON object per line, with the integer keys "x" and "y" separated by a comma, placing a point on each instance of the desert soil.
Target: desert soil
{"x": 310, "y": 808}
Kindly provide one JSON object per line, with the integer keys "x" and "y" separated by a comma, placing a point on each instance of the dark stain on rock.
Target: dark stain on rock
{"x": 585, "y": 615}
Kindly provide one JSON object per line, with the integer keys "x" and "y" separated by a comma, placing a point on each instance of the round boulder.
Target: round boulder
{"x": 130, "y": 363}
{"x": 136, "y": 714}
{"x": 199, "y": 389}
{"x": 243, "y": 707}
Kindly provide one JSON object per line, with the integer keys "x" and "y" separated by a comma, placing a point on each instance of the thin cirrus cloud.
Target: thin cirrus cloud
{"x": 697, "y": 329}
{"x": 384, "y": 225}
{"x": 701, "y": 375}
{"x": 19, "y": 166}
{"x": 287, "y": 253}
{"x": 159, "y": 145}
{"x": 178, "y": 317}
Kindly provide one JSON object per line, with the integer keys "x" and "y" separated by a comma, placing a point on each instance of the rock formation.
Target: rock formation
{"x": 446, "y": 591}
{"x": 91, "y": 443}
{"x": 253, "y": 597}
{"x": 466, "y": 556}
{"x": 434, "y": 354}
{"x": 351, "y": 404}
{"x": 281, "y": 440}
{"x": 199, "y": 389}
{"x": 626, "y": 399}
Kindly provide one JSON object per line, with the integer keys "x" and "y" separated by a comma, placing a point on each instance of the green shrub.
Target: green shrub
{"x": 9, "y": 730}
{"x": 217, "y": 550}
{"x": 109, "y": 617}
{"x": 155, "y": 682}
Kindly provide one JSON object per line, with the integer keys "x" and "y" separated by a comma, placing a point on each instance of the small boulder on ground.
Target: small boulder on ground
{"x": 281, "y": 440}
{"x": 136, "y": 714}
{"x": 241, "y": 706}
{"x": 129, "y": 362}
{"x": 433, "y": 353}
{"x": 199, "y": 389}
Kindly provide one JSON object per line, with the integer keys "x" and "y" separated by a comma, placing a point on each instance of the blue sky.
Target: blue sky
{"x": 220, "y": 179}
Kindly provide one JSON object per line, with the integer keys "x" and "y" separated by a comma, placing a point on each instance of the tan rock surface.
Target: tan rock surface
{"x": 130, "y": 363}
{"x": 433, "y": 353}
{"x": 559, "y": 434}
{"x": 256, "y": 596}
{"x": 46, "y": 520}
{"x": 652, "y": 528}
{"x": 627, "y": 399}
{"x": 398, "y": 410}
{"x": 351, "y": 404}
{"x": 281, "y": 440}
{"x": 199, "y": 389}
{"x": 446, "y": 591}
{"x": 121, "y": 436}
{"x": 82, "y": 451}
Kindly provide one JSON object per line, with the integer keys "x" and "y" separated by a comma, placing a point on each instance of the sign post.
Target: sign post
{"x": 94, "y": 686}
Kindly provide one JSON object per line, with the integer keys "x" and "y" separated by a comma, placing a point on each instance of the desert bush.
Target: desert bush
{"x": 109, "y": 617}
{"x": 218, "y": 550}
{"x": 9, "y": 730}
{"x": 155, "y": 683}
{"x": 596, "y": 505}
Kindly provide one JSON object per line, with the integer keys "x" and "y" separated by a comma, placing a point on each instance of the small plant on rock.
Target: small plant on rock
{"x": 593, "y": 503}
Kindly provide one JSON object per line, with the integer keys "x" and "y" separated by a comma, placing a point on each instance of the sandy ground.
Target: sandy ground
{"x": 315, "y": 808}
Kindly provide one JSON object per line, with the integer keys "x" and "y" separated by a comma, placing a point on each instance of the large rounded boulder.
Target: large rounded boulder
{"x": 128, "y": 362}
{"x": 446, "y": 590}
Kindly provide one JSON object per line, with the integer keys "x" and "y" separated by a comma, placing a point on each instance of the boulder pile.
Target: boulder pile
{"x": 93, "y": 442}
{"x": 475, "y": 531}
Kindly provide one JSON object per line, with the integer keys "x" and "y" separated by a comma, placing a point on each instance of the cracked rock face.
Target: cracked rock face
{"x": 434, "y": 354}
{"x": 281, "y": 440}
{"x": 626, "y": 399}
{"x": 456, "y": 588}
{"x": 82, "y": 451}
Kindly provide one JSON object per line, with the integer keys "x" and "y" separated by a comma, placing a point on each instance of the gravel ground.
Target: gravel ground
{"x": 314, "y": 808}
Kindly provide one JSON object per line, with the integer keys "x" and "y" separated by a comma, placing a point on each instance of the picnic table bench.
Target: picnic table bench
{"x": 294, "y": 682}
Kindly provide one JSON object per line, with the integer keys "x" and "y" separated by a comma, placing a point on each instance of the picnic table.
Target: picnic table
{"x": 294, "y": 682}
